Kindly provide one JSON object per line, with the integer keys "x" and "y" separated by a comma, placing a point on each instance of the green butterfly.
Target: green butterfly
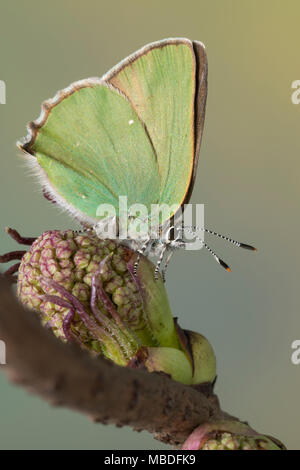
{"x": 136, "y": 132}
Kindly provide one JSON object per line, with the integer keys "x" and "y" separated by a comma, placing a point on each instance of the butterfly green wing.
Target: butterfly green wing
{"x": 91, "y": 147}
{"x": 135, "y": 133}
{"x": 166, "y": 82}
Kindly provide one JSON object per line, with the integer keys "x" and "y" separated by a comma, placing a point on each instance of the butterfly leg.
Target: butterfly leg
{"x": 140, "y": 252}
{"x": 161, "y": 256}
{"x": 171, "y": 247}
{"x": 167, "y": 261}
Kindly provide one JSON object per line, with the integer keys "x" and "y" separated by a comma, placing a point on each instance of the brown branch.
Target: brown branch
{"x": 66, "y": 376}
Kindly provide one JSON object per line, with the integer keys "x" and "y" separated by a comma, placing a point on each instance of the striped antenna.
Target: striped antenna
{"x": 217, "y": 258}
{"x": 230, "y": 240}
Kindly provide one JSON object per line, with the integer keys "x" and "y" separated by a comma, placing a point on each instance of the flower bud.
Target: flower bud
{"x": 229, "y": 435}
{"x": 201, "y": 356}
{"x": 204, "y": 359}
{"x": 194, "y": 363}
{"x": 170, "y": 361}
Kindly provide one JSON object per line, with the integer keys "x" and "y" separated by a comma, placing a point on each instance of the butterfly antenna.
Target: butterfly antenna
{"x": 230, "y": 240}
{"x": 217, "y": 258}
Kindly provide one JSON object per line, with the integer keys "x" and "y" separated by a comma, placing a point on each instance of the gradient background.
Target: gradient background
{"x": 248, "y": 179}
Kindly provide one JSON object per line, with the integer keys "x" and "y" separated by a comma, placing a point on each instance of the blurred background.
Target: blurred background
{"x": 248, "y": 179}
